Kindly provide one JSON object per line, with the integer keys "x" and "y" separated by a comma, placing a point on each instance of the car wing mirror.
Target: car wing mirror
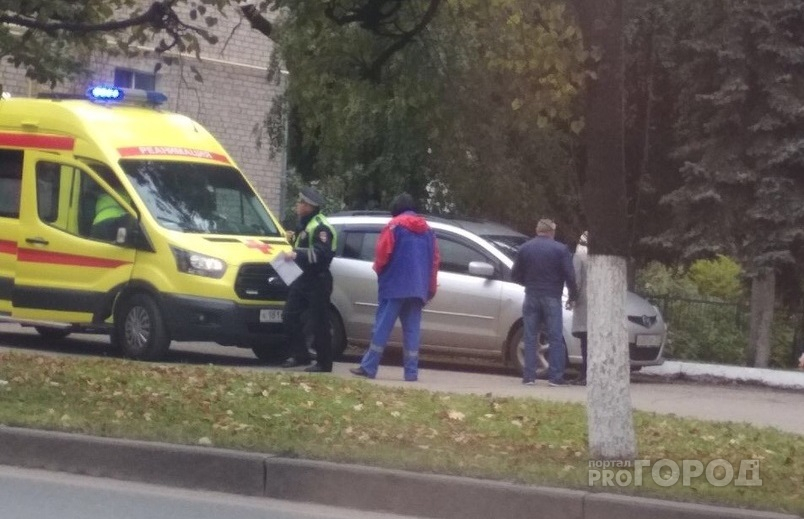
{"x": 481, "y": 269}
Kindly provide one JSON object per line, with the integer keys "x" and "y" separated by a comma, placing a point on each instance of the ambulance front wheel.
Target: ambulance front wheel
{"x": 139, "y": 329}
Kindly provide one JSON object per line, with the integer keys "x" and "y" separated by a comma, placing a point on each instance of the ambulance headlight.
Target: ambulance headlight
{"x": 198, "y": 264}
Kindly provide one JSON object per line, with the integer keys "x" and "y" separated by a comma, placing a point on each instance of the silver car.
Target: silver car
{"x": 477, "y": 311}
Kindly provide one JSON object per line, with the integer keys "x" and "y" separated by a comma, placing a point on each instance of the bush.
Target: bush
{"x": 718, "y": 278}
{"x": 659, "y": 279}
{"x": 707, "y": 331}
{"x": 707, "y": 316}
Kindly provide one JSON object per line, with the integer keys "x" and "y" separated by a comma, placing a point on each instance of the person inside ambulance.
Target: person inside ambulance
{"x": 109, "y": 215}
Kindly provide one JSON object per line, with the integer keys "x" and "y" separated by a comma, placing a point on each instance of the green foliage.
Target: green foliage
{"x": 707, "y": 331}
{"x": 718, "y": 278}
{"x": 658, "y": 279}
{"x": 739, "y": 131}
{"x": 482, "y": 103}
{"x": 651, "y": 34}
{"x": 52, "y": 39}
{"x": 348, "y": 126}
{"x": 707, "y": 313}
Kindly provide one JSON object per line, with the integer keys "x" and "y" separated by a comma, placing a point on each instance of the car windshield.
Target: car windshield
{"x": 199, "y": 198}
{"x": 506, "y": 243}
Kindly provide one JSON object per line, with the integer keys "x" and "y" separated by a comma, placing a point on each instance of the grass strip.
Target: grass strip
{"x": 323, "y": 417}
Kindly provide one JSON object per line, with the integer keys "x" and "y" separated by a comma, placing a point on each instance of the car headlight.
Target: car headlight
{"x": 198, "y": 264}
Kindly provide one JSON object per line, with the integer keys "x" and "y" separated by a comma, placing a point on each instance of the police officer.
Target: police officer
{"x": 313, "y": 249}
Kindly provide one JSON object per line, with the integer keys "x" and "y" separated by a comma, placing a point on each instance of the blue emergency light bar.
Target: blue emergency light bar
{"x": 113, "y": 94}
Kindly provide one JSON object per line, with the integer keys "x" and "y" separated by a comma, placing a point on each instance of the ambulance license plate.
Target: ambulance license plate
{"x": 648, "y": 341}
{"x": 270, "y": 315}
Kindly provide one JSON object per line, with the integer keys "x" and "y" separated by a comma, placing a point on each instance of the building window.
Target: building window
{"x": 127, "y": 78}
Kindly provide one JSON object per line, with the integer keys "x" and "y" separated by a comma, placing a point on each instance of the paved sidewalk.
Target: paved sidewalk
{"x": 343, "y": 485}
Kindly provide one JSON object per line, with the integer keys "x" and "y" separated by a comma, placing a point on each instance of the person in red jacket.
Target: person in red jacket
{"x": 406, "y": 262}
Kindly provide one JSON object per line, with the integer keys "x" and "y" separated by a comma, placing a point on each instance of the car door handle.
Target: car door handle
{"x": 37, "y": 241}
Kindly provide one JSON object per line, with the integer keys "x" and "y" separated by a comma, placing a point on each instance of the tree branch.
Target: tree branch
{"x": 159, "y": 15}
{"x": 374, "y": 71}
{"x": 257, "y": 20}
{"x": 370, "y": 15}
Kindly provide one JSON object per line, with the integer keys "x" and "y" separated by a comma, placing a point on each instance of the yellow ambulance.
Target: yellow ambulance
{"x": 118, "y": 217}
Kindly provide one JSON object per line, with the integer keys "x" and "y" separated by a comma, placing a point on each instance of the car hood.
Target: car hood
{"x": 637, "y": 305}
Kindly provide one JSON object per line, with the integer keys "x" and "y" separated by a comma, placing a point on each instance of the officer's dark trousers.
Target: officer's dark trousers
{"x": 308, "y": 300}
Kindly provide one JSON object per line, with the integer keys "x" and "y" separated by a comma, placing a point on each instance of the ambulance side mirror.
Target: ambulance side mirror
{"x": 122, "y": 233}
{"x": 129, "y": 233}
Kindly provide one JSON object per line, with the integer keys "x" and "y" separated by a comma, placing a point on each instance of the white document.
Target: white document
{"x": 287, "y": 269}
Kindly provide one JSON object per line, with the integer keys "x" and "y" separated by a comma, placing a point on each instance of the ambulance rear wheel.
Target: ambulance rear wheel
{"x": 140, "y": 332}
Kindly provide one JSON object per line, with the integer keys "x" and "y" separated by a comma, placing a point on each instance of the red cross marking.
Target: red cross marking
{"x": 263, "y": 247}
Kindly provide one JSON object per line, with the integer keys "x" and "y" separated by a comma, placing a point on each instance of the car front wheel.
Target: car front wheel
{"x": 139, "y": 329}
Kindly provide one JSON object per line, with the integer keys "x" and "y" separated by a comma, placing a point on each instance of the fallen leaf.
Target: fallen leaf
{"x": 456, "y": 415}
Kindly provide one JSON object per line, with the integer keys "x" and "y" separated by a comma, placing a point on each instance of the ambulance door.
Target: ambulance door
{"x": 64, "y": 274}
{"x": 10, "y": 183}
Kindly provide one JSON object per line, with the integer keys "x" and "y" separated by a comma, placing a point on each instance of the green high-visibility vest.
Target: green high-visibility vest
{"x": 315, "y": 221}
{"x": 106, "y": 208}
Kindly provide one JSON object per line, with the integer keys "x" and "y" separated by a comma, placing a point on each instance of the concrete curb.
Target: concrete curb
{"x": 149, "y": 462}
{"x": 782, "y": 379}
{"x": 352, "y": 486}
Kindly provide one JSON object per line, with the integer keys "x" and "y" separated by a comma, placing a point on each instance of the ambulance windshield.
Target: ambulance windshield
{"x": 199, "y": 198}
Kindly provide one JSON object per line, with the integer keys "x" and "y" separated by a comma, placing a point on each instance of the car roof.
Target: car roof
{"x": 474, "y": 225}
{"x": 381, "y": 218}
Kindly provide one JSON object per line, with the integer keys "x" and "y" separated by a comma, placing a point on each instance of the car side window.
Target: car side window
{"x": 10, "y": 183}
{"x": 67, "y": 197}
{"x": 455, "y": 256}
{"x": 48, "y": 186}
{"x": 360, "y": 245}
{"x": 352, "y": 241}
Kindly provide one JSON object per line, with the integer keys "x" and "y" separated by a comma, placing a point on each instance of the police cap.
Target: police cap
{"x": 311, "y": 196}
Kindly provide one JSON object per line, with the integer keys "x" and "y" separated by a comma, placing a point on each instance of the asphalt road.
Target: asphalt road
{"x": 759, "y": 406}
{"x": 37, "y": 494}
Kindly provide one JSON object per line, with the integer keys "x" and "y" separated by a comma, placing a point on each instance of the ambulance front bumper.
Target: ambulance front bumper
{"x": 191, "y": 318}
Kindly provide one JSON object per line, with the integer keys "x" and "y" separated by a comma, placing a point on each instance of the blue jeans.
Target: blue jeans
{"x": 538, "y": 312}
{"x": 409, "y": 312}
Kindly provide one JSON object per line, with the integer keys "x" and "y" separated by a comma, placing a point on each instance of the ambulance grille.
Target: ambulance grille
{"x": 259, "y": 281}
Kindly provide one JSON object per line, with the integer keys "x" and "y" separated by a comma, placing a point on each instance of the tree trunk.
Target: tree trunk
{"x": 610, "y": 419}
{"x": 763, "y": 296}
{"x": 610, "y": 422}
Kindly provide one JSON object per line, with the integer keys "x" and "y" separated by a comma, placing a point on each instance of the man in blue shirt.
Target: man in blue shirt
{"x": 544, "y": 266}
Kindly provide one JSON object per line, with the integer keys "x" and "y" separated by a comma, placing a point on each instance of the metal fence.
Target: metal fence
{"x": 717, "y": 331}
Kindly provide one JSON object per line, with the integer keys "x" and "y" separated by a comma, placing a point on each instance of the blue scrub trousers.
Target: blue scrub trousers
{"x": 409, "y": 312}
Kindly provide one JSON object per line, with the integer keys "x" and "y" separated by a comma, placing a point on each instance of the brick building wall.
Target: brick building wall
{"x": 231, "y": 102}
